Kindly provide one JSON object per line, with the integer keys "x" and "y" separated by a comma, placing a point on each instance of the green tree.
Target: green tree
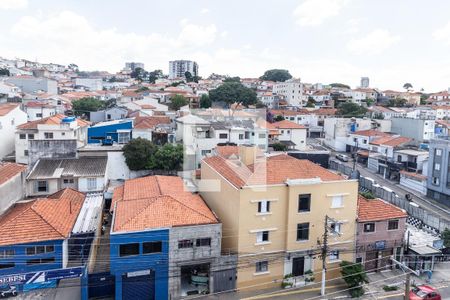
{"x": 339, "y": 85}
{"x": 397, "y": 102}
{"x": 4, "y": 72}
{"x": 110, "y": 103}
{"x": 232, "y": 79}
{"x": 407, "y": 86}
{"x": 278, "y": 118}
{"x": 138, "y": 154}
{"x": 231, "y": 92}
{"x": 355, "y": 276}
{"x": 178, "y": 101}
{"x": 279, "y": 147}
{"x": 278, "y": 75}
{"x": 156, "y": 74}
{"x": 139, "y": 74}
{"x": 350, "y": 109}
{"x": 142, "y": 89}
{"x": 205, "y": 102}
{"x": 168, "y": 157}
{"x": 188, "y": 76}
{"x": 445, "y": 236}
{"x": 86, "y": 105}
{"x": 311, "y": 102}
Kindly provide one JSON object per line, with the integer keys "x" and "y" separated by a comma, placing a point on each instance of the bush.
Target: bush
{"x": 388, "y": 288}
{"x": 367, "y": 195}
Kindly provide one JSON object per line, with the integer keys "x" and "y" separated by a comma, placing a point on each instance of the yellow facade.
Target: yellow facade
{"x": 237, "y": 208}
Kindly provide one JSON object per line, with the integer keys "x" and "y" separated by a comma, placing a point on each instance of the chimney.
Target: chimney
{"x": 247, "y": 154}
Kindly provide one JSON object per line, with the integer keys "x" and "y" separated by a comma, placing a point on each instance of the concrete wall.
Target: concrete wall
{"x": 443, "y": 160}
{"x": 11, "y": 191}
{"x": 381, "y": 233}
{"x": 51, "y": 149}
{"x": 33, "y": 84}
{"x": 8, "y": 124}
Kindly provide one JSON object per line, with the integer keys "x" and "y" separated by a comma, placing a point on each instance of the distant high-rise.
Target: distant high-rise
{"x": 364, "y": 82}
{"x": 134, "y": 65}
{"x": 178, "y": 68}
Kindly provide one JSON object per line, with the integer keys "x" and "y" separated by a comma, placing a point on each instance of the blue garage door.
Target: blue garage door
{"x": 138, "y": 285}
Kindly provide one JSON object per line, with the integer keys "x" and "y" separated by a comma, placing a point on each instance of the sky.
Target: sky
{"x": 390, "y": 41}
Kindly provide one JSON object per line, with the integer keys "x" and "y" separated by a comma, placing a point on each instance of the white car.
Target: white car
{"x": 342, "y": 157}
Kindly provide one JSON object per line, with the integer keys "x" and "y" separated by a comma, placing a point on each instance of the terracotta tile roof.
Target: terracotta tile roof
{"x": 325, "y": 111}
{"x": 273, "y": 170}
{"x": 371, "y": 132}
{"x": 415, "y": 175}
{"x": 285, "y": 124}
{"x": 279, "y": 112}
{"x": 378, "y": 210}
{"x": 227, "y": 151}
{"x": 391, "y": 141}
{"x": 9, "y": 170}
{"x": 157, "y": 202}
{"x": 42, "y": 219}
{"x": 6, "y": 108}
{"x": 149, "y": 122}
{"x": 52, "y": 120}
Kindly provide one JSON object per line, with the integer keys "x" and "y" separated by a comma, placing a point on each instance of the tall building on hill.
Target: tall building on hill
{"x": 178, "y": 68}
{"x": 365, "y": 82}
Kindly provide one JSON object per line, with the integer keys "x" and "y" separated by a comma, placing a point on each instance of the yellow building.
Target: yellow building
{"x": 273, "y": 212}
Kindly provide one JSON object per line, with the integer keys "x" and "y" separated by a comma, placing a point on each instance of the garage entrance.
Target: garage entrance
{"x": 195, "y": 280}
{"x": 138, "y": 285}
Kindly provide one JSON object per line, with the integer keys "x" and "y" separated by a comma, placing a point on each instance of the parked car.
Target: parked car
{"x": 7, "y": 291}
{"x": 342, "y": 157}
{"x": 424, "y": 292}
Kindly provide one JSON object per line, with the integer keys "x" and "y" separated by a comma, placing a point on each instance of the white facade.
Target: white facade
{"x": 295, "y": 135}
{"x": 92, "y": 84}
{"x": 29, "y": 84}
{"x": 39, "y": 112}
{"x": 178, "y": 68}
{"x": 292, "y": 90}
{"x": 9, "y": 89}
{"x": 337, "y": 131}
{"x": 8, "y": 124}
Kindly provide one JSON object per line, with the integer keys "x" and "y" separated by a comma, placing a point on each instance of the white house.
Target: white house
{"x": 37, "y": 110}
{"x": 292, "y": 90}
{"x": 291, "y": 134}
{"x": 10, "y": 117}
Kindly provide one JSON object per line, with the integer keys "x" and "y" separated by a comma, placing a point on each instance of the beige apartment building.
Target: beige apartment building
{"x": 273, "y": 212}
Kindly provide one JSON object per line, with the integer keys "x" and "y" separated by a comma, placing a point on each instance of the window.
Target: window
{"x": 437, "y": 167}
{"x": 48, "y": 135}
{"x": 22, "y": 136}
{"x": 25, "y": 152}
{"x": 304, "y": 203}
{"x": 393, "y": 225}
{"x": 63, "y": 133}
{"x": 40, "y": 249}
{"x": 67, "y": 181}
{"x": 438, "y": 152}
{"x": 12, "y": 121}
{"x": 264, "y": 206}
{"x": 7, "y": 253}
{"x": 91, "y": 183}
{"x": 185, "y": 244}
{"x": 262, "y": 236}
{"x": 241, "y": 136}
{"x": 288, "y": 131}
{"x": 223, "y": 136}
{"x": 39, "y": 261}
{"x": 262, "y": 135}
{"x": 335, "y": 227}
{"x": 38, "y": 115}
{"x": 128, "y": 249}
{"x": 435, "y": 180}
{"x": 262, "y": 266}
{"x": 334, "y": 255}
{"x": 7, "y": 265}
{"x": 152, "y": 247}
{"x": 31, "y": 136}
{"x": 123, "y": 137}
{"x": 337, "y": 201}
{"x": 205, "y": 152}
{"x": 247, "y": 135}
{"x": 203, "y": 242}
{"x": 303, "y": 232}
{"x": 369, "y": 227}
{"x": 42, "y": 186}
{"x": 359, "y": 260}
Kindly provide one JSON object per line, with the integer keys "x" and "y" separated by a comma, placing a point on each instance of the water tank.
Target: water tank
{"x": 68, "y": 119}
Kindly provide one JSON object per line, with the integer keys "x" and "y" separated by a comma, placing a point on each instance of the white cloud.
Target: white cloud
{"x": 373, "y": 43}
{"x": 204, "y": 11}
{"x": 315, "y": 12}
{"x": 13, "y": 4}
{"x": 67, "y": 35}
{"x": 443, "y": 34}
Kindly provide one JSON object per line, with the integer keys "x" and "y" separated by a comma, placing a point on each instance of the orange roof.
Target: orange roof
{"x": 391, "y": 141}
{"x": 415, "y": 175}
{"x": 273, "y": 170}
{"x": 9, "y": 170}
{"x": 43, "y": 219}
{"x": 371, "y": 132}
{"x": 227, "y": 151}
{"x": 52, "y": 120}
{"x": 5, "y": 108}
{"x": 285, "y": 124}
{"x": 157, "y": 202}
{"x": 378, "y": 210}
{"x": 149, "y": 122}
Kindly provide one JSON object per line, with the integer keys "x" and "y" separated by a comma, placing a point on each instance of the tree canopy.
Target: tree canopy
{"x": 205, "y": 101}
{"x": 339, "y": 85}
{"x": 445, "y": 236}
{"x": 178, "y": 101}
{"x": 397, "y": 102}
{"x": 354, "y": 275}
{"x": 4, "y": 72}
{"x": 85, "y": 105}
{"x": 350, "y": 109}
{"x": 276, "y": 75}
{"x": 142, "y": 154}
{"x": 407, "y": 86}
{"x": 232, "y": 79}
{"x": 232, "y": 92}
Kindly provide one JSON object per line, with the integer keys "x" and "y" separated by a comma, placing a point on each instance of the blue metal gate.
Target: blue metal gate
{"x": 101, "y": 285}
{"x": 138, "y": 285}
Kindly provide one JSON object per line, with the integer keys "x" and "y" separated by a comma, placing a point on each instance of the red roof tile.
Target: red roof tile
{"x": 391, "y": 141}
{"x": 9, "y": 170}
{"x": 285, "y": 124}
{"x": 52, "y": 120}
{"x": 371, "y": 132}
{"x": 157, "y": 202}
{"x": 42, "y": 219}
{"x": 149, "y": 122}
{"x": 273, "y": 170}
{"x": 378, "y": 210}
{"x": 6, "y": 108}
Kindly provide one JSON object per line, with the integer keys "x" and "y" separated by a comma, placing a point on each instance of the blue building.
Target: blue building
{"x": 161, "y": 235}
{"x": 118, "y": 131}
{"x": 34, "y": 236}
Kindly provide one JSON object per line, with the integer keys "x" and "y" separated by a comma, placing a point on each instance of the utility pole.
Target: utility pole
{"x": 408, "y": 272}
{"x": 407, "y": 285}
{"x": 324, "y": 256}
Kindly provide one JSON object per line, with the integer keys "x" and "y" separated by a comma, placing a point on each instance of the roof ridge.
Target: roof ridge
{"x": 31, "y": 207}
{"x": 151, "y": 200}
{"x": 200, "y": 213}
